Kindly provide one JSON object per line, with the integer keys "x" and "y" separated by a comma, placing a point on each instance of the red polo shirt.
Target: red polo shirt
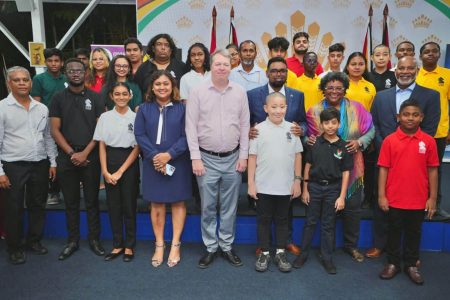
{"x": 407, "y": 159}
{"x": 297, "y": 67}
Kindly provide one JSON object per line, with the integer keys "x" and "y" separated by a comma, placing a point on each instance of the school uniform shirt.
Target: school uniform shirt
{"x": 361, "y": 91}
{"x": 438, "y": 80}
{"x": 328, "y": 160}
{"x": 78, "y": 113}
{"x": 45, "y": 86}
{"x": 116, "y": 130}
{"x": 383, "y": 81}
{"x": 25, "y": 134}
{"x": 190, "y": 80}
{"x": 310, "y": 88}
{"x": 297, "y": 67}
{"x": 275, "y": 148}
{"x": 407, "y": 159}
{"x": 136, "y": 96}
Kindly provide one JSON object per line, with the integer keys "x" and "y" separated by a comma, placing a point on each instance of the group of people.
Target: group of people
{"x": 199, "y": 126}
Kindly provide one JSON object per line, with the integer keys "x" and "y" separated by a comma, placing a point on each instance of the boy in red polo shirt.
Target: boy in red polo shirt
{"x": 407, "y": 187}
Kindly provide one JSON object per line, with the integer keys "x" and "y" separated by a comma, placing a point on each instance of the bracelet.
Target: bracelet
{"x": 298, "y": 177}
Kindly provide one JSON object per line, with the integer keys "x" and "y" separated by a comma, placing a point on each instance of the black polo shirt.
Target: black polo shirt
{"x": 328, "y": 160}
{"x": 144, "y": 73}
{"x": 78, "y": 114}
{"x": 383, "y": 81}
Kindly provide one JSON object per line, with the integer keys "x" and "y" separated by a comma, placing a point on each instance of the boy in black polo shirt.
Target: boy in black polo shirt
{"x": 327, "y": 173}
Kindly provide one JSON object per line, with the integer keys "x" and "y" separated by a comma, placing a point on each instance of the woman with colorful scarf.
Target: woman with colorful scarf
{"x": 357, "y": 129}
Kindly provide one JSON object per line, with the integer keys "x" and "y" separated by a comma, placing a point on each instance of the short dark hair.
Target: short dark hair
{"x": 300, "y": 34}
{"x": 421, "y": 48}
{"x": 152, "y": 43}
{"x": 338, "y": 47}
{"x": 132, "y": 40}
{"x": 206, "y": 63}
{"x": 119, "y": 83}
{"x": 334, "y": 76}
{"x": 311, "y": 52}
{"x": 232, "y": 46}
{"x": 410, "y": 102}
{"x": 246, "y": 42}
{"x": 381, "y": 45}
{"x": 81, "y": 51}
{"x": 274, "y": 60}
{"x": 277, "y": 43}
{"x": 74, "y": 60}
{"x": 405, "y": 42}
{"x": 49, "y": 52}
{"x": 330, "y": 113}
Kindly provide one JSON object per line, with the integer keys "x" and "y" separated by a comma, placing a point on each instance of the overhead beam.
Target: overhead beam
{"x": 84, "y": 15}
{"x": 14, "y": 41}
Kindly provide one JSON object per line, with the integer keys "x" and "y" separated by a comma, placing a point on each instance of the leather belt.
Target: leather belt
{"x": 220, "y": 154}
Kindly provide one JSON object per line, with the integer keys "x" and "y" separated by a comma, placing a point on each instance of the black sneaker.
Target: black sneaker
{"x": 282, "y": 263}
{"x": 262, "y": 264}
{"x": 329, "y": 267}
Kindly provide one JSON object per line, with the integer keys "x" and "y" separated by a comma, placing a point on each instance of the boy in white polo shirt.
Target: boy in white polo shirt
{"x": 274, "y": 177}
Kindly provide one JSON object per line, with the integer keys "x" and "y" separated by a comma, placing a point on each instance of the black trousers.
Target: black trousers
{"x": 408, "y": 223}
{"x": 321, "y": 207}
{"x": 54, "y": 187}
{"x": 276, "y": 208}
{"x": 351, "y": 216}
{"x": 380, "y": 220}
{"x": 122, "y": 198}
{"x": 370, "y": 162}
{"x": 440, "y": 143}
{"x": 28, "y": 180}
{"x": 70, "y": 177}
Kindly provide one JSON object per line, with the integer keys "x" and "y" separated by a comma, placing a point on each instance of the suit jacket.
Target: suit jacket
{"x": 295, "y": 106}
{"x": 384, "y": 111}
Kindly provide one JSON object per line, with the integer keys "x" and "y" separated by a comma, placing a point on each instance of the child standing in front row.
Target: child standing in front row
{"x": 407, "y": 189}
{"x": 274, "y": 177}
{"x": 327, "y": 173}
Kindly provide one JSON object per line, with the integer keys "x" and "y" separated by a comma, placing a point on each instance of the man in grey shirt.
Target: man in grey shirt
{"x": 27, "y": 154}
{"x": 217, "y": 126}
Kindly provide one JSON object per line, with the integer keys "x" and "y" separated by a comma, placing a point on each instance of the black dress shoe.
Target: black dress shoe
{"x": 37, "y": 248}
{"x": 17, "y": 257}
{"x": 232, "y": 258}
{"x": 96, "y": 247}
{"x": 329, "y": 267}
{"x": 112, "y": 255}
{"x": 206, "y": 260}
{"x": 68, "y": 250}
{"x": 299, "y": 261}
{"x": 128, "y": 257}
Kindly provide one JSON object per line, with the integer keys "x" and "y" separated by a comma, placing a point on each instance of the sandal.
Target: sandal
{"x": 157, "y": 262}
{"x": 173, "y": 262}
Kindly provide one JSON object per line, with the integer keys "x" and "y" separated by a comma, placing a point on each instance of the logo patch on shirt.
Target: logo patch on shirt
{"x": 387, "y": 83}
{"x": 173, "y": 74}
{"x": 130, "y": 128}
{"x": 366, "y": 88}
{"x": 441, "y": 81}
{"x": 338, "y": 154}
{"x": 289, "y": 136}
{"x": 66, "y": 84}
{"x": 422, "y": 147}
{"x": 87, "y": 104}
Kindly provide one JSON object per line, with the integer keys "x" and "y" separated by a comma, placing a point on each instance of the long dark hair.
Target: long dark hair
{"x": 150, "y": 95}
{"x": 206, "y": 63}
{"x": 365, "y": 74}
{"x": 152, "y": 42}
{"x": 111, "y": 76}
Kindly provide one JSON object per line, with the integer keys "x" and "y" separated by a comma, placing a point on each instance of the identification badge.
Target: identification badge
{"x": 170, "y": 169}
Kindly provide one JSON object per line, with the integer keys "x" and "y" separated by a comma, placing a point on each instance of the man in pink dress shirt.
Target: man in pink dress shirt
{"x": 217, "y": 126}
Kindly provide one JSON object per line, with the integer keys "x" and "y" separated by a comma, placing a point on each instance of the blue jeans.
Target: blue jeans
{"x": 321, "y": 207}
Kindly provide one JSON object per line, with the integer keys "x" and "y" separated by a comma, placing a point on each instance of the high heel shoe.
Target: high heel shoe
{"x": 173, "y": 262}
{"x": 157, "y": 262}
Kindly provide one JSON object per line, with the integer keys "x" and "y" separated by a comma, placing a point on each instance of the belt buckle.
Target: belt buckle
{"x": 325, "y": 182}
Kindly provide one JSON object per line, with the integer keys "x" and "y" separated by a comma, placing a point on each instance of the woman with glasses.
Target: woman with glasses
{"x": 120, "y": 71}
{"x": 234, "y": 53}
{"x": 99, "y": 63}
{"x": 356, "y": 128}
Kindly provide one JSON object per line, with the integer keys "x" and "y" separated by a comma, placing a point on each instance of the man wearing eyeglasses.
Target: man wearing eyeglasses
{"x": 277, "y": 73}
{"x": 74, "y": 113}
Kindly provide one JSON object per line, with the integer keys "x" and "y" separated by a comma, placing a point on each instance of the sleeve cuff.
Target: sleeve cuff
{"x": 195, "y": 154}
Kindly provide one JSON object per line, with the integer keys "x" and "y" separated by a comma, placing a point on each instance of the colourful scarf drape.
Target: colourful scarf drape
{"x": 355, "y": 122}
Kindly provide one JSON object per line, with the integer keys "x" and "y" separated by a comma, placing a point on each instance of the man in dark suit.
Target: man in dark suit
{"x": 277, "y": 74}
{"x": 384, "y": 111}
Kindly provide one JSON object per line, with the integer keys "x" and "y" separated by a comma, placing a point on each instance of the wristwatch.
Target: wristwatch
{"x": 298, "y": 177}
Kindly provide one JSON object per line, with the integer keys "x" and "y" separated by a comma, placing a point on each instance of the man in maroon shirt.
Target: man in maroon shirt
{"x": 300, "y": 45}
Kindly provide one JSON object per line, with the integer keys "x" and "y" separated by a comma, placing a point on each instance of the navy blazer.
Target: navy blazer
{"x": 295, "y": 106}
{"x": 384, "y": 111}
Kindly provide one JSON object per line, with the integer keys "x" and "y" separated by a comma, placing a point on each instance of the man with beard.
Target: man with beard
{"x": 300, "y": 44}
{"x": 384, "y": 111}
{"x": 277, "y": 73}
{"x": 247, "y": 74}
{"x": 74, "y": 113}
{"x": 437, "y": 78}
{"x": 133, "y": 50}
{"x": 309, "y": 82}
{"x": 278, "y": 47}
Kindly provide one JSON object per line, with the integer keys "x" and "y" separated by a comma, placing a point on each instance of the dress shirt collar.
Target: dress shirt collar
{"x": 212, "y": 86}
{"x": 11, "y": 100}
{"x": 282, "y": 124}
{"x": 401, "y": 135}
{"x": 255, "y": 69}
{"x": 128, "y": 112}
{"x": 282, "y": 90}
{"x": 409, "y": 88}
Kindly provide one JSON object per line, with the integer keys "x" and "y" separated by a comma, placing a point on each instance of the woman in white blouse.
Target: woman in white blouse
{"x": 198, "y": 62}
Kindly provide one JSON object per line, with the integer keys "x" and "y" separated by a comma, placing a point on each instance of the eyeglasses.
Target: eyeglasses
{"x": 75, "y": 71}
{"x": 121, "y": 66}
{"x": 334, "y": 89}
{"x": 275, "y": 71}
